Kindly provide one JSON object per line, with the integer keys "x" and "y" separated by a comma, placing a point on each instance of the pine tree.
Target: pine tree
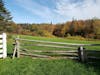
{"x": 4, "y": 13}
{"x": 5, "y": 17}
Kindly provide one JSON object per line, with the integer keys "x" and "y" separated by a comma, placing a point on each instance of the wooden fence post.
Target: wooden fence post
{"x": 15, "y": 49}
{"x": 4, "y": 45}
{"x": 18, "y": 47}
{"x": 81, "y": 54}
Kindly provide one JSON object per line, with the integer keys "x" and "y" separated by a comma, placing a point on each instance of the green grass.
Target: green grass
{"x": 29, "y": 66}
{"x": 60, "y": 40}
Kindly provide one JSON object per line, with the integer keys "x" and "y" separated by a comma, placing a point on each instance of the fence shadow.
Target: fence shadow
{"x": 9, "y": 55}
{"x": 95, "y": 65}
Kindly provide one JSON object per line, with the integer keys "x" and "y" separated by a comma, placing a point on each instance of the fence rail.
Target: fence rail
{"x": 69, "y": 44}
{"x": 75, "y": 51}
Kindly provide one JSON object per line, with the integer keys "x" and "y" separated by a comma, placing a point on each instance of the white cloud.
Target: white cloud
{"x": 64, "y": 10}
{"x": 36, "y": 9}
{"x": 41, "y": 11}
{"x": 80, "y": 9}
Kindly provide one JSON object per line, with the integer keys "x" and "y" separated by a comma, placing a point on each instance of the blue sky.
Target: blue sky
{"x": 57, "y": 11}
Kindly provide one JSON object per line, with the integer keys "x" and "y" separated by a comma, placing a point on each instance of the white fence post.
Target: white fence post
{"x": 4, "y": 45}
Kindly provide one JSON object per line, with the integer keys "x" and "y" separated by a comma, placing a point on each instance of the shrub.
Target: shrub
{"x": 47, "y": 34}
{"x": 97, "y": 36}
{"x": 76, "y": 38}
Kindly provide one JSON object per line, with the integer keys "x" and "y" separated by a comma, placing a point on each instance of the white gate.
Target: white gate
{"x": 3, "y": 46}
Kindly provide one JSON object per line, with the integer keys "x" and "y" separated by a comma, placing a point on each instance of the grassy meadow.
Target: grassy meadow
{"x": 29, "y": 66}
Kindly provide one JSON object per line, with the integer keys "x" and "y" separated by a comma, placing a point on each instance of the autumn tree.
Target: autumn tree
{"x": 97, "y": 28}
{"x": 58, "y": 30}
{"x": 72, "y": 28}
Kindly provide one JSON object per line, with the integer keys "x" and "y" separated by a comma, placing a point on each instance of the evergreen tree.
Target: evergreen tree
{"x": 4, "y": 13}
{"x": 5, "y": 17}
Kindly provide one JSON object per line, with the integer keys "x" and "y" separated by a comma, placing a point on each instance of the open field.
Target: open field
{"x": 29, "y": 66}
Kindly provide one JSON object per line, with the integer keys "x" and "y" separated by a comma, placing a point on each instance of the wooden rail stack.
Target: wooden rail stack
{"x": 73, "y": 51}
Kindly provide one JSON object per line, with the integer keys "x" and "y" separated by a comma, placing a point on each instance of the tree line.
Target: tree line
{"x": 85, "y": 28}
{"x": 89, "y": 28}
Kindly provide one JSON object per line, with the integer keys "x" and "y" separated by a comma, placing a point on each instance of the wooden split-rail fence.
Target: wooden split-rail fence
{"x": 3, "y": 46}
{"x": 71, "y": 51}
